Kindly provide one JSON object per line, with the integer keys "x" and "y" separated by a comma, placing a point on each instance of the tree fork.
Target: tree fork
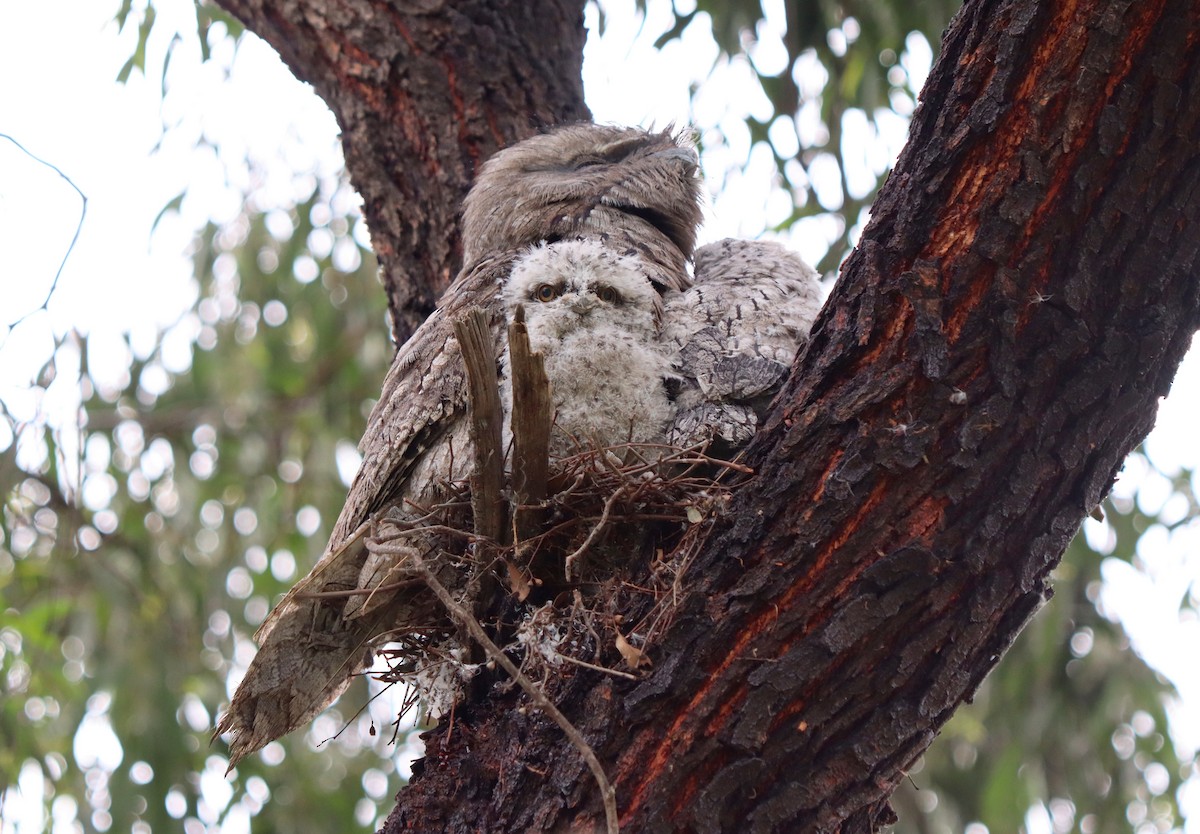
{"x": 993, "y": 349}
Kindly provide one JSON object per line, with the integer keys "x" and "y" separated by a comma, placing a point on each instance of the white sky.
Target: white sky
{"x": 60, "y": 100}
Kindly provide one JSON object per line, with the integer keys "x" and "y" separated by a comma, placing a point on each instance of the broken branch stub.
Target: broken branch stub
{"x": 531, "y": 421}
{"x": 487, "y": 477}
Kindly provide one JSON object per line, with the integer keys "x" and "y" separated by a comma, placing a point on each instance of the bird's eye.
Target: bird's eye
{"x": 589, "y": 162}
{"x": 545, "y": 292}
{"x": 608, "y": 295}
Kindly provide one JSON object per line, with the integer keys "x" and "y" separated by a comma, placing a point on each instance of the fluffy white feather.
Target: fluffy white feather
{"x": 593, "y": 313}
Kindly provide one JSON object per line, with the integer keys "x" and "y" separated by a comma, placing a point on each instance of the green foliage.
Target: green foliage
{"x": 130, "y": 590}
{"x": 843, "y": 61}
{"x": 206, "y": 15}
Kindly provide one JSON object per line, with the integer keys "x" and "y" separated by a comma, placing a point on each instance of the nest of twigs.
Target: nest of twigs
{"x": 618, "y": 529}
{"x": 537, "y": 563}
{"x": 578, "y": 560}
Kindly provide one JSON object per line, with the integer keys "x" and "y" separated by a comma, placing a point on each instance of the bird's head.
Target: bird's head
{"x": 637, "y": 189}
{"x": 575, "y": 285}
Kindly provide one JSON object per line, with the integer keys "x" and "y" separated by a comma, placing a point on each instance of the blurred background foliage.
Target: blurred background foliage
{"x": 146, "y": 534}
{"x": 205, "y": 491}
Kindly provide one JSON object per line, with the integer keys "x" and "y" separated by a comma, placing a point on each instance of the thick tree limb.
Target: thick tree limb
{"x": 993, "y": 350}
{"x": 1035, "y": 250}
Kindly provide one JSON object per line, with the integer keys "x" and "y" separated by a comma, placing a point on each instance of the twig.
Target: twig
{"x": 488, "y": 506}
{"x": 487, "y": 479}
{"x": 383, "y": 540}
{"x": 532, "y": 417}
{"x": 465, "y": 620}
{"x": 346, "y": 724}
{"x": 74, "y": 238}
{"x": 598, "y": 668}
{"x": 569, "y": 565}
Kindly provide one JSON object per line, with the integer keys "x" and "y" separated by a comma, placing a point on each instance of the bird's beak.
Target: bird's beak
{"x": 684, "y": 157}
{"x": 582, "y": 303}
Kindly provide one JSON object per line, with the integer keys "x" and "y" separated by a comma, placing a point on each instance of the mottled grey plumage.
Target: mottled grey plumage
{"x": 735, "y": 333}
{"x": 639, "y": 188}
{"x": 638, "y": 192}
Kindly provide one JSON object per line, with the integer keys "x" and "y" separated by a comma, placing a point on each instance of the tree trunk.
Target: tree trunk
{"x": 994, "y": 348}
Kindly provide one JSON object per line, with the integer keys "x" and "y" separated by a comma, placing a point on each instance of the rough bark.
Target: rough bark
{"x": 425, "y": 92}
{"x": 992, "y": 351}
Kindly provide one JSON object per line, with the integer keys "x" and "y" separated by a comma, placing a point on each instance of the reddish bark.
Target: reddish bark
{"x": 994, "y": 348}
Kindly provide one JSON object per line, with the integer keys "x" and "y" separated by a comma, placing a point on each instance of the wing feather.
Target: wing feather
{"x": 309, "y": 648}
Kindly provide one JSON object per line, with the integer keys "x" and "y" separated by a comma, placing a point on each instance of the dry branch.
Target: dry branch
{"x": 487, "y": 476}
{"x": 532, "y": 417}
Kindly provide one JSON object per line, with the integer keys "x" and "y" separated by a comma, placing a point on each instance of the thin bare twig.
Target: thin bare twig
{"x": 466, "y": 620}
{"x": 569, "y": 565}
{"x": 74, "y": 238}
{"x": 383, "y": 541}
{"x": 360, "y": 592}
{"x": 597, "y": 668}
